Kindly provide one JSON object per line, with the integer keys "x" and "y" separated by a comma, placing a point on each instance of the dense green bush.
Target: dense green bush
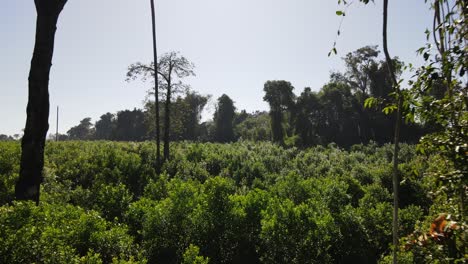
{"x": 52, "y": 233}
{"x": 102, "y": 202}
{"x": 9, "y": 169}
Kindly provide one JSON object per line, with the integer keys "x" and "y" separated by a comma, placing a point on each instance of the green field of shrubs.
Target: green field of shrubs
{"x": 102, "y": 202}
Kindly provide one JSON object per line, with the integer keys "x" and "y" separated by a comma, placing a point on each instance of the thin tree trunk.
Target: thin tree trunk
{"x": 277, "y": 127}
{"x": 396, "y": 182}
{"x": 156, "y": 90}
{"x": 33, "y": 142}
{"x": 167, "y": 122}
{"x": 56, "y": 125}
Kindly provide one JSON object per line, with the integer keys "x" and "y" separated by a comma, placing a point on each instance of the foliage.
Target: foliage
{"x": 223, "y": 119}
{"x": 130, "y": 125}
{"x": 438, "y": 98}
{"x": 105, "y": 127}
{"x": 350, "y": 109}
{"x": 280, "y": 97}
{"x": 172, "y": 67}
{"x": 191, "y": 256}
{"x": 238, "y": 203}
{"x": 82, "y": 131}
{"x": 53, "y": 233}
{"x": 253, "y": 127}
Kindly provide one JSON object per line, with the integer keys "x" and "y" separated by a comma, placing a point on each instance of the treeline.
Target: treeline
{"x": 336, "y": 113}
{"x": 227, "y": 125}
{"x": 4, "y": 137}
{"x": 138, "y": 124}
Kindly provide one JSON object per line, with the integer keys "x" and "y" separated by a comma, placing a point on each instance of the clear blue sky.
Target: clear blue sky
{"x": 236, "y": 46}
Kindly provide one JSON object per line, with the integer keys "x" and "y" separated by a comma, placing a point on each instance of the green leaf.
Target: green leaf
{"x": 389, "y": 109}
{"x": 370, "y": 102}
{"x": 428, "y": 34}
{"x": 340, "y": 13}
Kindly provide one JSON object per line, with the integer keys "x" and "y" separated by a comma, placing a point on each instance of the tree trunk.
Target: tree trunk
{"x": 33, "y": 142}
{"x": 167, "y": 121}
{"x": 277, "y": 126}
{"x": 156, "y": 90}
{"x": 396, "y": 181}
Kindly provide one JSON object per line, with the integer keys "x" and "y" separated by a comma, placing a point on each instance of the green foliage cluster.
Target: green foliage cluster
{"x": 138, "y": 124}
{"x": 213, "y": 203}
{"x": 339, "y": 112}
{"x": 437, "y": 98}
{"x": 223, "y": 119}
{"x": 62, "y": 233}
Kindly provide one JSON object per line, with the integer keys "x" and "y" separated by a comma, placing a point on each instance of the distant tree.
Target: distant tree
{"x": 380, "y": 80}
{"x": 358, "y": 65}
{"x": 367, "y": 75}
{"x": 105, "y": 127}
{"x": 4, "y": 137}
{"x": 150, "y": 117}
{"x": 340, "y": 115}
{"x": 172, "y": 67}
{"x": 195, "y": 103}
{"x": 185, "y": 116}
{"x": 130, "y": 125}
{"x": 179, "y": 118}
{"x": 83, "y": 131}
{"x": 207, "y": 131}
{"x": 255, "y": 126}
{"x": 309, "y": 116}
{"x": 280, "y": 96}
{"x": 223, "y": 119}
{"x": 35, "y": 132}
{"x": 60, "y": 137}
{"x": 240, "y": 117}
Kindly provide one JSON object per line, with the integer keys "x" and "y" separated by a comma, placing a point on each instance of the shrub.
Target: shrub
{"x": 52, "y": 233}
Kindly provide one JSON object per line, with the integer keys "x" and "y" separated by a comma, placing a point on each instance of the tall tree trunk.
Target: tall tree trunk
{"x": 167, "y": 121}
{"x": 396, "y": 181}
{"x": 156, "y": 90}
{"x": 33, "y": 142}
{"x": 277, "y": 126}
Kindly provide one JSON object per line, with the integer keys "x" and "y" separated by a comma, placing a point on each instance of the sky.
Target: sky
{"x": 236, "y": 46}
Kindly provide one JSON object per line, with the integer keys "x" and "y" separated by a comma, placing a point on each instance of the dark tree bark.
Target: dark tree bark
{"x": 276, "y": 126}
{"x": 156, "y": 90}
{"x": 33, "y": 142}
{"x": 167, "y": 119}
